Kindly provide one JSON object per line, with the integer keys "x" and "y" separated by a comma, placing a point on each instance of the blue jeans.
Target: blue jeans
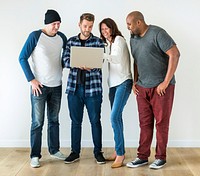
{"x": 118, "y": 97}
{"x": 51, "y": 96}
{"x": 76, "y": 104}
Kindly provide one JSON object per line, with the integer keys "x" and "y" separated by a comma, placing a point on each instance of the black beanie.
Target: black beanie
{"x": 51, "y": 16}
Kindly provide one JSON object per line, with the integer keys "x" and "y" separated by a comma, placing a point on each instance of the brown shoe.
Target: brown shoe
{"x": 117, "y": 164}
{"x": 112, "y": 157}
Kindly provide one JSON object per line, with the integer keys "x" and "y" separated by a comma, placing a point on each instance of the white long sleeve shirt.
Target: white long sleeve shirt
{"x": 119, "y": 66}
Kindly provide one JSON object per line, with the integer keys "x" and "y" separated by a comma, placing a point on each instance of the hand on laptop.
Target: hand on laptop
{"x": 85, "y": 68}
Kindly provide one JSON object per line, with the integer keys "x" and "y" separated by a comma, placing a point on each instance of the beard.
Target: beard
{"x": 86, "y": 34}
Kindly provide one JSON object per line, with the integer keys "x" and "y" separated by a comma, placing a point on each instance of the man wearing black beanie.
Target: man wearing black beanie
{"x": 44, "y": 46}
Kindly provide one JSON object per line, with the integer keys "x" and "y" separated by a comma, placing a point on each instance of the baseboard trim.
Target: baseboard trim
{"x": 106, "y": 143}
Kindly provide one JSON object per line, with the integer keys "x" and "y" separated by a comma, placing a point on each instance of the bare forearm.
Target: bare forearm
{"x": 172, "y": 64}
{"x": 135, "y": 73}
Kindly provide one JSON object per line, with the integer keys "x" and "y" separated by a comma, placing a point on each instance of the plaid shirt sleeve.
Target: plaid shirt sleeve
{"x": 73, "y": 41}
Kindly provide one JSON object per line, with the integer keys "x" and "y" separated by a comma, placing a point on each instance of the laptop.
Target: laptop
{"x": 90, "y": 57}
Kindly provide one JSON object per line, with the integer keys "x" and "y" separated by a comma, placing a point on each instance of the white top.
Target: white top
{"x": 46, "y": 60}
{"x": 119, "y": 66}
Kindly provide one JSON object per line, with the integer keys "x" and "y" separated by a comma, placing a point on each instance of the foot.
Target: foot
{"x": 118, "y": 162}
{"x": 112, "y": 157}
{"x": 58, "y": 155}
{"x": 35, "y": 162}
{"x": 137, "y": 163}
{"x": 73, "y": 157}
{"x": 157, "y": 164}
{"x": 100, "y": 158}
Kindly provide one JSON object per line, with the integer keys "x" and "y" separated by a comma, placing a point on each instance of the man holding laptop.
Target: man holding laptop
{"x": 84, "y": 87}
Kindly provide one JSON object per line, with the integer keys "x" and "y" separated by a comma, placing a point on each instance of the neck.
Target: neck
{"x": 145, "y": 29}
{"x": 82, "y": 37}
{"x": 47, "y": 32}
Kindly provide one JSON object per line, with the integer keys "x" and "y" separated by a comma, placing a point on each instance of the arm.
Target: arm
{"x": 135, "y": 79}
{"x": 66, "y": 56}
{"x": 116, "y": 55}
{"x": 64, "y": 38}
{"x": 174, "y": 55}
{"x": 26, "y": 52}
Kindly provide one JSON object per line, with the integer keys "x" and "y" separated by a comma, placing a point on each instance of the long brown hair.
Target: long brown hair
{"x": 113, "y": 26}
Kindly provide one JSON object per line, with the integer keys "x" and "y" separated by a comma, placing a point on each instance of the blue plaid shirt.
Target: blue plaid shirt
{"x": 93, "y": 80}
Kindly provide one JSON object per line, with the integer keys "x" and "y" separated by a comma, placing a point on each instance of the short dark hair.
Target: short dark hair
{"x": 87, "y": 16}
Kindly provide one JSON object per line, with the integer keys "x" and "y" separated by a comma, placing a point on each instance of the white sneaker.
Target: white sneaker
{"x": 59, "y": 155}
{"x": 35, "y": 162}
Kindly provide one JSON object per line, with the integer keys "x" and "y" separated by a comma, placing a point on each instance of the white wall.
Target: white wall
{"x": 179, "y": 18}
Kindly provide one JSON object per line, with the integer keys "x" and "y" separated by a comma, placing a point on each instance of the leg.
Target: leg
{"x": 162, "y": 107}
{"x": 118, "y": 97}
{"x": 53, "y": 109}
{"x": 38, "y": 109}
{"x": 146, "y": 119}
{"x": 76, "y": 106}
{"x": 93, "y": 105}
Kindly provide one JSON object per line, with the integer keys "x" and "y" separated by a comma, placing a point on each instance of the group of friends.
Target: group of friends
{"x": 155, "y": 57}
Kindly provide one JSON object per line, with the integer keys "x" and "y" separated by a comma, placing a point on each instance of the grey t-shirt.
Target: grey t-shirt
{"x": 149, "y": 55}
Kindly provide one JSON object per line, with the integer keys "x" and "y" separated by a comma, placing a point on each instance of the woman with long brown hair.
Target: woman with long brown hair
{"x": 119, "y": 82}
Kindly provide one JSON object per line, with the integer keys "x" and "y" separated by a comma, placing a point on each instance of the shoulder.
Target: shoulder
{"x": 93, "y": 37}
{"x": 97, "y": 40}
{"x": 35, "y": 34}
{"x": 163, "y": 39}
{"x": 73, "y": 38}
{"x": 34, "y": 37}
{"x": 73, "y": 41}
{"x": 160, "y": 32}
{"x": 119, "y": 39}
{"x": 156, "y": 29}
{"x": 62, "y": 35}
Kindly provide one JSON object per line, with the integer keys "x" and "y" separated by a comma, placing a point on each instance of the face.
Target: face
{"x": 53, "y": 28}
{"x": 106, "y": 31}
{"x": 86, "y": 28}
{"x": 133, "y": 25}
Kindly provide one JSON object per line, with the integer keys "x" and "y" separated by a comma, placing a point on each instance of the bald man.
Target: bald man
{"x": 155, "y": 61}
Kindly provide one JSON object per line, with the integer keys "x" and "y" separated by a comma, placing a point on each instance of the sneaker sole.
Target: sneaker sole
{"x": 69, "y": 162}
{"x": 138, "y": 165}
{"x": 57, "y": 157}
{"x": 156, "y": 167}
{"x": 35, "y": 166}
{"x": 102, "y": 162}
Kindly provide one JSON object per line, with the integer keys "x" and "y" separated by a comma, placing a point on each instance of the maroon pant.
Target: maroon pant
{"x": 152, "y": 107}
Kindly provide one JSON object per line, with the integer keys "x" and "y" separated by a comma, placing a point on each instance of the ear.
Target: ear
{"x": 139, "y": 22}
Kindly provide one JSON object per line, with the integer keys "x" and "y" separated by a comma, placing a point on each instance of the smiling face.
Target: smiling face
{"x": 106, "y": 31}
{"x": 133, "y": 25}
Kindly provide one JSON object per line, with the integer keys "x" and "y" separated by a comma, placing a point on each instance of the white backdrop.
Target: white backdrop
{"x": 179, "y": 18}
